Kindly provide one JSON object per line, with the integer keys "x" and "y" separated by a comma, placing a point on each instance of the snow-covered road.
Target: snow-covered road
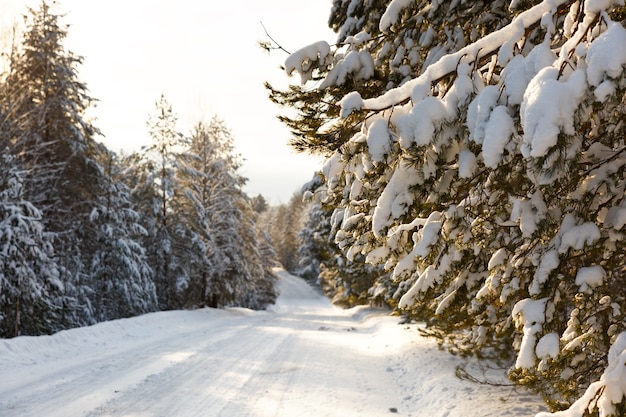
{"x": 302, "y": 358}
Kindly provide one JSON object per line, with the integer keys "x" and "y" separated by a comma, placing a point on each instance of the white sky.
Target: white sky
{"x": 203, "y": 56}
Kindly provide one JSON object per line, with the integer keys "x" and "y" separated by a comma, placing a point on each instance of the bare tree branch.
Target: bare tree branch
{"x": 275, "y": 45}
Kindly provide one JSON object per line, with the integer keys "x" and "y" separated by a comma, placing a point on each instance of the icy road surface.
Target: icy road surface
{"x": 302, "y": 358}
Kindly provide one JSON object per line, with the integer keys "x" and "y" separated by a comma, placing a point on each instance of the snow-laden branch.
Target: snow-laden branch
{"x": 606, "y": 392}
{"x": 392, "y": 13}
{"x": 447, "y": 65}
{"x": 303, "y": 59}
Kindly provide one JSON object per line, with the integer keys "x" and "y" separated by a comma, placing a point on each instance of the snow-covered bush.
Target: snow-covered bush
{"x": 481, "y": 162}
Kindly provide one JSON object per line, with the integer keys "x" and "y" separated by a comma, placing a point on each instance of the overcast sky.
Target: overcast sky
{"x": 204, "y": 56}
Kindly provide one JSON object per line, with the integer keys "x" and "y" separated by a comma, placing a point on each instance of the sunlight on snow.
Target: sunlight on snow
{"x": 176, "y": 357}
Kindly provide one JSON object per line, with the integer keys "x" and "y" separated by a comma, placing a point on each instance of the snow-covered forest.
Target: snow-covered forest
{"x": 475, "y": 179}
{"x": 474, "y": 183}
{"x": 87, "y": 235}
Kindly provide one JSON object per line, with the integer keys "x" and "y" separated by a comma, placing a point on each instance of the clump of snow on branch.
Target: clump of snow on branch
{"x": 521, "y": 69}
{"x": 395, "y": 199}
{"x": 304, "y": 60}
{"x": 479, "y": 111}
{"x": 577, "y": 236}
{"x": 548, "y": 346}
{"x": 350, "y": 62}
{"x": 530, "y": 314}
{"x": 467, "y": 164}
{"x": 392, "y": 13}
{"x": 589, "y": 278}
{"x": 548, "y": 109}
{"x": 549, "y": 262}
{"x": 358, "y": 64}
{"x": 419, "y": 125}
{"x": 332, "y": 168}
{"x": 350, "y": 102}
{"x": 378, "y": 140}
{"x": 498, "y": 132}
{"x": 606, "y": 55}
{"x": 615, "y": 218}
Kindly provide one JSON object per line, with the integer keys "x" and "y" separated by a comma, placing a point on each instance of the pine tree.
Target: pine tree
{"x": 475, "y": 149}
{"x": 259, "y": 204}
{"x": 44, "y": 103}
{"x": 313, "y": 249}
{"x": 209, "y": 178}
{"x": 122, "y": 278}
{"x": 47, "y": 105}
{"x": 29, "y": 278}
{"x": 155, "y": 185}
{"x": 286, "y": 221}
{"x": 234, "y": 271}
{"x": 256, "y": 262}
{"x": 266, "y": 285}
{"x": 346, "y": 281}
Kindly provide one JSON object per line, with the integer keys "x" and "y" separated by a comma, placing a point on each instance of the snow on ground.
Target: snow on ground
{"x": 304, "y": 357}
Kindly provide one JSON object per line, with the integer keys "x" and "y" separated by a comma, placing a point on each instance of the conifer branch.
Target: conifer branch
{"x": 438, "y": 72}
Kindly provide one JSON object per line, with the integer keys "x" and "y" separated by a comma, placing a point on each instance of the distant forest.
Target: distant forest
{"x": 87, "y": 235}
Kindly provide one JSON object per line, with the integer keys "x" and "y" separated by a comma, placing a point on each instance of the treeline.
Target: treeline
{"x": 87, "y": 235}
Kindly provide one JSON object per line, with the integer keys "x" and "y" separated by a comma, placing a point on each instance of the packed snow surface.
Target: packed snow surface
{"x": 304, "y": 357}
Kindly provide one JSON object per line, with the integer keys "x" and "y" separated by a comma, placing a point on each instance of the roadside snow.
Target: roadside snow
{"x": 302, "y": 358}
